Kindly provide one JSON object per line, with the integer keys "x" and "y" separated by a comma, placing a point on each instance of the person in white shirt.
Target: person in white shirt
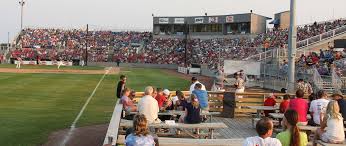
{"x": 264, "y": 129}
{"x": 332, "y": 126}
{"x": 148, "y": 106}
{"x": 194, "y": 82}
{"x": 319, "y": 106}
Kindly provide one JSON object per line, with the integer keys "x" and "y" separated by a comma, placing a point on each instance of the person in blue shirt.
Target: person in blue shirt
{"x": 140, "y": 133}
{"x": 202, "y": 97}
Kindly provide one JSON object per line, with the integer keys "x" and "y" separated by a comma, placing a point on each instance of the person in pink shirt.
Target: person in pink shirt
{"x": 300, "y": 105}
{"x": 128, "y": 104}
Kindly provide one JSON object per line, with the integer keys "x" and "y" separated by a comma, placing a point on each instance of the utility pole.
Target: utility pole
{"x": 8, "y": 41}
{"x": 86, "y": 45}
{"x": 21, "y": 3}
{"x": 292, "y": 45}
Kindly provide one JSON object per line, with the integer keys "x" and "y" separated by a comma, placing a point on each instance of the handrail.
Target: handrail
{"x": 309, "y": 41}
{"x": 317, "y": 79}
{"x": 336, "y": 80}
{"x": 112, "y": 132}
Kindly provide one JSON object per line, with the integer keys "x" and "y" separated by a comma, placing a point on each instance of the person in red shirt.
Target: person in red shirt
{"x": 285, "y": 103}
{"x": 161, "y": 99}
{"x": 300, "y": 105}
{"x": 270, "y": 101}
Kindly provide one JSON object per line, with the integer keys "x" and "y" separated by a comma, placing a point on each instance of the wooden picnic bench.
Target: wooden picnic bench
{"x": 164, "y": 141}
{"x": 176, "y": 112}
{"x": 320, "y": 142}
{"x": 209, "y": 126}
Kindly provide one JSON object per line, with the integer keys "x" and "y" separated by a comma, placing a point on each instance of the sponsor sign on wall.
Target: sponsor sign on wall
{"x": 229, "y": 19}
{"x": 199, "y": 20}
{"x": 64, "y": 63}
{"x": 179, "y": 20}
{"x": 213, "y": 19}
{"x": 163, "y": 20}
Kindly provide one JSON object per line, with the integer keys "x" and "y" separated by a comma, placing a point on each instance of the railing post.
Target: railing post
{"x": 333, "y": 32}
{"x": 320, "y": 37}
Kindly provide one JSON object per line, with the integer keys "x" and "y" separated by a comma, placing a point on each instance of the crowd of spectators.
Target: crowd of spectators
{"x": 140, "y": 47}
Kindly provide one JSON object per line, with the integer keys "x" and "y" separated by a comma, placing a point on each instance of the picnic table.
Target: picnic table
{"x": 177, "y": 112}
{"x": 263, "y": 108}
{"x": 281, "y": 115}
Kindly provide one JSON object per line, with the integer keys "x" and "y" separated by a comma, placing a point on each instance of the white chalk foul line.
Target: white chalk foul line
{"x": 73, "y": 125}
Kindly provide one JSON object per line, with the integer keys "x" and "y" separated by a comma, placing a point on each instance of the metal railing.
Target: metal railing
{"x": 317, "y": 79}
{"x": 336, "y": 81}
{"x": 303, "y": 44}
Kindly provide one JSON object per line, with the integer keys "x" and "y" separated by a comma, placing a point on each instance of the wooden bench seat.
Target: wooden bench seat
{"x": 310, "y": 128}
{"x": 163, "y": 141}
{"x": 320, "y": 142}
{"x": 129, "y": 123}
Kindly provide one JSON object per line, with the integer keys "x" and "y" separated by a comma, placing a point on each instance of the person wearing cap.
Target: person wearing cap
{"x": 194, "y": 81}
{"x": 341, "y": 102}
{"x": 239, "y": 84}
{"x": 168, "y": 105}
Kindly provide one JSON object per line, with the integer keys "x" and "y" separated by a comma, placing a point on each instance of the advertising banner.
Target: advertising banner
{"x": 229, "y": 19}
{"x": 179, "y": 20}
{"x": 213, "y": 19}
{"x": 163, "y": 20}
{"x": 199, "y": 20}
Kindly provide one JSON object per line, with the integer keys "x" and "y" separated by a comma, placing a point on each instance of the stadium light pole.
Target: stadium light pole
{"x": 292, "y": 45}
{"x": 186, "y": 33}
{"x": 21, "y": 3}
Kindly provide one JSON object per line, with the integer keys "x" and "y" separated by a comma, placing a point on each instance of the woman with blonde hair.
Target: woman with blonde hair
{"x": 332, "y": 125}
{"x": 140, "y": 135}
{"x": 192, "y": 111}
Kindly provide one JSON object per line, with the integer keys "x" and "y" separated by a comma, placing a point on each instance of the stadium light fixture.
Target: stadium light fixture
{"x": 21, "y": 3}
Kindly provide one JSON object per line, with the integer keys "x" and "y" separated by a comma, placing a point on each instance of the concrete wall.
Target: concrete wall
{"x": 135, "y": 65}
{"x": 205, "y": 37}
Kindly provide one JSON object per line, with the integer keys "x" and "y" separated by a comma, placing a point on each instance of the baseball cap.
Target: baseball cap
{"x": 166, "y": 91}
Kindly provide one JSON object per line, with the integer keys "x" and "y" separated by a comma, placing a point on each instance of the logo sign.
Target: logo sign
{"x": 179, "y": 20}
{"x": 213, "y": 19}
{"x": 229, "y": 19}
{"x": 163, "y": 20}
{"x": 199, "y": 20}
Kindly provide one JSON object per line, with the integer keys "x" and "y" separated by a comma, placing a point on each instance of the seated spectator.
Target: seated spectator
{"x": 132, "y": 94}
{"x": 270, "y": 101}
{"x": 140, "y": 135}
{"x": 285, "y": 103}
{"x": 179, "y": 101}
{"x": 264, "y": 129}
{"x": 160, "y": 98}
{"x": 202, "y": 97}
{"x": 300, "y": 105}
{"x": 341, "y": 102}
{"x": 192, "y": 112}
{"x": 128, "y": 104}
{"x": 318, "y": 106}
{"x": 168, "y": 104}
{"x": 148, "y": 106}
{"x": 292, "y": 136}
{"x": 332, "y": 125}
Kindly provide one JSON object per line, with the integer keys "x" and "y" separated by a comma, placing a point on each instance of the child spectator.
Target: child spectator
{"x": 285, "y": 103}
{"x": 192, "y": 112}
{"x": 264, "y": 129}
{"x": 270, "y": 101}
{"x": 291, "y": 136}
{"x": 332, "y": 125}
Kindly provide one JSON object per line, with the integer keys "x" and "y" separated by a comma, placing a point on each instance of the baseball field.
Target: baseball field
{"x": 35, "y": 104}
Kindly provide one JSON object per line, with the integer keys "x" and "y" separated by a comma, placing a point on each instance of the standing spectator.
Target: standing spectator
{"x": 202, "y": 97}
{"x": 285, "y": 103}
{"x": 192, "y": 112}
{"x": 332, "y": 125}
{"x": 118, "y": 62}
{"x": 140, "y": 135}
{"x": 270, "y": 101}
{"x": 292, "y": 136}
{"x": 264, "y": 129}
{"x": 300, "y": 105}
{"x": 149, "y": 106}
{"x": 121, "y": 85}
{"x": 301, "y": 85}
{"x": 341, "y": 102}
{"x": 194, "y": 82}
{"x": 128, "y": 104}
{"x": 319, "y": 106}
{"x": 239, "y": 84}
{"x": 308, "y": 88}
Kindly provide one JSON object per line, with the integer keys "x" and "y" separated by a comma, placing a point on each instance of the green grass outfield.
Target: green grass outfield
{"x": 34, "y": 105}
{"x": 51, "y": 67}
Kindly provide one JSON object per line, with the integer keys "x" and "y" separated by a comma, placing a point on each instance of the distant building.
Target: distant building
{"x": 237, "y": 24}
{"x": 3, "y": 46}
{"x": 281, "y": 20}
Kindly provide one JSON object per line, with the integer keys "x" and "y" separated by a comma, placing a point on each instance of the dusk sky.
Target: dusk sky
{"x": 136, "y": 14}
